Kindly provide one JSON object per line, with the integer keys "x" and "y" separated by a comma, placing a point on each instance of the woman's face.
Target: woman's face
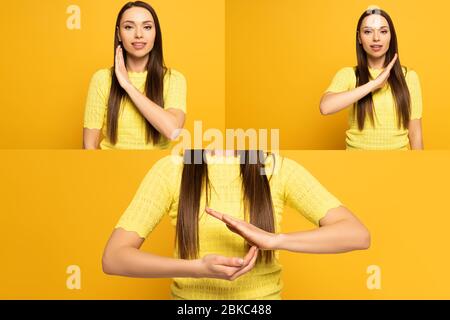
{"x": 375, "y": 35}
{"x": 137, "y": 32}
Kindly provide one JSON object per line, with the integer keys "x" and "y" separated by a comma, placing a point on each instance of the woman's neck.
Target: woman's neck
{"x": 376, "y": 63}
{"x": 137, "y": 64}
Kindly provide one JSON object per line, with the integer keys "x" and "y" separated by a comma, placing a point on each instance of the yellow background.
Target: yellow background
{"x": 46, "y": 68}
{"x": 282, "y": 55}
{"x": 59, "y": 208}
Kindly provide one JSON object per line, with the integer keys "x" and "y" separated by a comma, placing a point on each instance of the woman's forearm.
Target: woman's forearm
{"x": 165, "y": 122}
{"x": 132, "y": 262}
{"x": 334, "y": 102}
{"x": 91, "y": 138}
{"x": 416, "y": 142}
{"x": 340, "y": 237}
{"x": 415, "y": 134}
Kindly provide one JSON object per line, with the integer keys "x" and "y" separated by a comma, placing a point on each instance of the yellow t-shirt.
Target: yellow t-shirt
{"x": 158, "y": 194}
{"x": 131, "y": 130}
{"x": 385, "y": 135}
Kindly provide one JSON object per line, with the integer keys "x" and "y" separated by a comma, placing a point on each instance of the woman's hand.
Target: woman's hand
{"x": 383, "y": 77}
{"x": 215, "y": 266}
{"x": 121, "y": 70}
{"x": 253, "y": 235}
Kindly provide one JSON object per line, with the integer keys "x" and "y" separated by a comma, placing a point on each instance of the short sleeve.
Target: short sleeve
{"x": 97, "y": 100}
{"x": 151, "y": 202}
{"x": 175, "y": 91}
{"x": 415, "y": 91}
{"x": 344, "y": 80}
{"x": 304, "y": 193}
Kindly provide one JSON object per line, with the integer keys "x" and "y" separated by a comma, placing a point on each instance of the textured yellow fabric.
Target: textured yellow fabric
{"x": 131, "y": 124}
{"x": 158, "y": 194}
{"x": 385, "y": 135}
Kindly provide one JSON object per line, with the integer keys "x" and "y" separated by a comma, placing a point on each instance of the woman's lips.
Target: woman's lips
{"x": 138, "y": 45}
{"x": 376, "y": 47}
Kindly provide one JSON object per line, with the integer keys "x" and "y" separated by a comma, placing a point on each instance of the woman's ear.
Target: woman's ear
{"x": 118, "y": 34}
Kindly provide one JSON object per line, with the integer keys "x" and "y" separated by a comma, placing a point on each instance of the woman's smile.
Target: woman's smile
{"x": 138, "y": 45}
{"x": 376, "y": 47}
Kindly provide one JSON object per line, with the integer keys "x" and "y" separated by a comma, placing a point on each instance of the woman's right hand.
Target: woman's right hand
{"x": 383, "y": 77}
{"x": 220, "y": 267}
{"x": 121, "y": 69}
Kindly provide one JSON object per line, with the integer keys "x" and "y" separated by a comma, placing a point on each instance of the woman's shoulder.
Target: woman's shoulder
{"x": 345, "y": 76}
{"x": 282, "y": 166}
{"x": 103, "y": 73}
{"x": 347, "y": 72}
{"x": 102, "y": 76}
{"x": 174, "y": 75}
{"x": 166, "y": 170}
{"x": 168, "y": 163}
{"x": 412, "y": 79}
{"x": 410, "y": 73}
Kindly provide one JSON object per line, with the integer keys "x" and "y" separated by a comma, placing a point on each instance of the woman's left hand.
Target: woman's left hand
{"x": 121, "y": 70}
{"x": 253, "y": 235}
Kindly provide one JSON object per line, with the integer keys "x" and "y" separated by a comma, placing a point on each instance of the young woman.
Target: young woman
{"x": 226, "y": 209}
{"x": 139, "y": 103}
{"x": 386, "y": 97}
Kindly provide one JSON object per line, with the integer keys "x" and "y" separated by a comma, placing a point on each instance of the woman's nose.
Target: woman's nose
{"x": 376, "y": 36}
{"x": 138, "y": 33}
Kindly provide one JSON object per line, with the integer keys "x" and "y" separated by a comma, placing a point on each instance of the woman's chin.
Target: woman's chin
{"x": 137, "y": 54}
{"x": 376, "y": 55}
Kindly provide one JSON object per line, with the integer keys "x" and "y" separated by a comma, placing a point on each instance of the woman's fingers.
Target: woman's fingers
{"x": 118, "y": 52}
{"x": 214, "y": 213}
{"x": 248, "y": 267}
{"x": 225, "y": 272}
{"x": 235, "y": 261}
{"x": 121, "y": 62}
{"x": 384, "y": 76}
{"x": 391, "y": 64}
{"x": 230, "y": 271}
{"x": 387, "y": 70}
{"x": 224, "y": 218}
{"x": 227, "y": 266}
{"x": 232, "y": 229}
{"x": 248, "y": 257}
{"x": 242, "y": 228}
{"x": 221, "y": 216}
{"x": 230, "y": 261}
{"x": 233, "y": 224}
{"x": 244, "y": 235}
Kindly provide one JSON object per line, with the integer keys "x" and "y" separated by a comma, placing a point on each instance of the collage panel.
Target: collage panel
{"x": 339, "y": 75}
{"x": 61, "y": 225}
{"x": 68, "y": 59}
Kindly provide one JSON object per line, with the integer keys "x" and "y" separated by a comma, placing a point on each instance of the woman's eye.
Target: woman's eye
{"x": 384, "y": 32}
{"x": 367, "y": 32}
{"x": 127, "y": 27}
{"x": 148, "y": 27}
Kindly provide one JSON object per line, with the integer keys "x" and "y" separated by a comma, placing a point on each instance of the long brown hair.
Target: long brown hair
{"x": 154, "y": 86}
{"x": 194, "y": 181}
{"x": 364, "y": 107}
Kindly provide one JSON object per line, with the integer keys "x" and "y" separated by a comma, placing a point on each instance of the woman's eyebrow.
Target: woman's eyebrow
{"x": 366, "y": 27}
{"x": 134, "y": 22}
